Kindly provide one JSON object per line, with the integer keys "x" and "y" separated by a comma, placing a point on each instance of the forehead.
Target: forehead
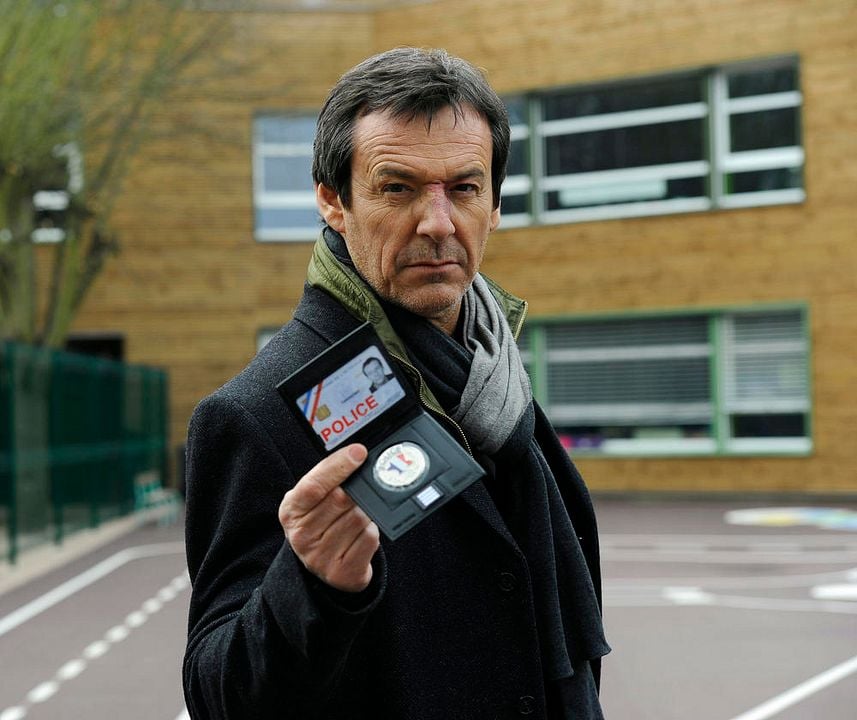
{"x": 448, "y": 139}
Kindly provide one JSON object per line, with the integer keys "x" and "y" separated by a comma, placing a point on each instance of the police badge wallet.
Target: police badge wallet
{"x": 353, "y": 392}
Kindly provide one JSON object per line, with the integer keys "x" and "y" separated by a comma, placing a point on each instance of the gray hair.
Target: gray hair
{"x": 408, "y": 83}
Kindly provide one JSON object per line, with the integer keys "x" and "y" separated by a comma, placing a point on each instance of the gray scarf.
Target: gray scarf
{"x": 497, "y": 377}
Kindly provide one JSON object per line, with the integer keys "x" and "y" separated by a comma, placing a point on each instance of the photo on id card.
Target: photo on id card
{"x": 354, "y": 392}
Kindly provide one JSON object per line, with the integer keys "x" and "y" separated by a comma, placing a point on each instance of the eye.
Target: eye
{"x": 395, "y": 188}
{"x": 469, "y": 188}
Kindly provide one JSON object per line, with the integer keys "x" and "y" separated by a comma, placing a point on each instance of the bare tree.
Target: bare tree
{"x": 80, "y": 82}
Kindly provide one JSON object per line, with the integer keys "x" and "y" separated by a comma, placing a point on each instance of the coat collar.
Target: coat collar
{"x": 349, "y": 290}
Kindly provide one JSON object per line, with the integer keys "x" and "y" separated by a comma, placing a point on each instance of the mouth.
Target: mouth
{"x": 434, "y": 264}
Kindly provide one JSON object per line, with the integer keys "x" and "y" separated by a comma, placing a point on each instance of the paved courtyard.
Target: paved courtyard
{"x": 715, "y": 611}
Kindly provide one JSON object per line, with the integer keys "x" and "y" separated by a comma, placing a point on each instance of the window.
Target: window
{"x": 515, "y": 194}
{"x": 694, "y": 383}
{"x": 727, "y": 137}
{"x": 284, "y": 200}
{"x": 50, "y": 204}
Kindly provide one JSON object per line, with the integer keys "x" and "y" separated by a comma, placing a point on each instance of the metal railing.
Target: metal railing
{"x": 75, "y": 431}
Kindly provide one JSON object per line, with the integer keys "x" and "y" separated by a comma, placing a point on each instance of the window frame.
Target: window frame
{"x": 717, "y": 160}
{"x": 536, "y": 356}
{"x": 282, "y": 199}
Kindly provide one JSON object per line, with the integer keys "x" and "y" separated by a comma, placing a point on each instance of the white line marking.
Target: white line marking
{"x": 152, "y": 605}
{"x": 835, "y": 592}
{"x": 42, "y": 692}
{"x": 688, "y": 596}
{"x": 769, "y": 581}
{"x": 800, "y": 692}
{"x": 116, "y": 634}
{"x": 804, "y": 539}
{"x": 95, "y": 650}
{"x": 747, "y": 556}
{"x": 14, "y": 713}
{"x": 95, "y": 573}
{"x": 71, "y": 669}
{"x": 136, "y": 618}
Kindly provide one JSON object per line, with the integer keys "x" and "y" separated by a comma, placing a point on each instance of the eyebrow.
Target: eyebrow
{"x": 472, "y": 172}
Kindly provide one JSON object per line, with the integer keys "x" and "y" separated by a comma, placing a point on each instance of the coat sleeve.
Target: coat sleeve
{"x": 266, "y": 638}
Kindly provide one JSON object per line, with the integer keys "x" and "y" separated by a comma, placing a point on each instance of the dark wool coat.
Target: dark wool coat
{"x": 445, "y": 631}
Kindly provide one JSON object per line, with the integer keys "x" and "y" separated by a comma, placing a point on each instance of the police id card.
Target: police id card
{"x": 353, "y": 392}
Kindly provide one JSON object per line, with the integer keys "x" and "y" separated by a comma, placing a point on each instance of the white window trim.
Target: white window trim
{"x": 516, "y": 185}
{"x": 666, "y": 446}
{"x": 625, "y": 210}
{"x": 281, "y": 200}
{"x": 717, "y": 108}
{"x": 670, "y": 171}
{"x": 630, "y": 413}
{"x": 756, "y": 446}
{"x": 629, "y": 118}
{"x": 773, "y": 159}
{"x": 716, "y": 412}
{"x": 757, "y": 103}
{"x": 625, "y": 353}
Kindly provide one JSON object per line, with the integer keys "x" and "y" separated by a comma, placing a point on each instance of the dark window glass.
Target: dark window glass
{"x": 761, "y": 425}
{"x": 762, "y": 82}
{"x": 638, "y": 146}
{"x": 764, "y": 129}
{"x": 111, "y": 347}
{"x": 517, "y": 109}
{"x": 517, "y": 164}
{"x": 761, "y": 180}
{"x": 620, "y": 98}
{"x": 514, "y": 204}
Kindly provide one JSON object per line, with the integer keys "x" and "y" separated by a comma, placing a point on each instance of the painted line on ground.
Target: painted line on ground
{"x": 762, "y": 538}
{"x": 78, "y": 582}
{"x": 44, "y": 691}
{"x": 729, "y": 557}
{"x": 767, "y": 581}
{"x": 800, "y": 692}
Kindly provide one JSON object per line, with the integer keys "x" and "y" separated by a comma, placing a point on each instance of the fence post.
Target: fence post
{"x": 8, "y": 359}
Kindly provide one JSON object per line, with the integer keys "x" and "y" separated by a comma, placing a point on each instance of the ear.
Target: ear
{"x": 495, "y": 219}
{"x": 330, "y": 207}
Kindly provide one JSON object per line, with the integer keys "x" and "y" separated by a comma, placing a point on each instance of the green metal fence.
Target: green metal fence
{"x": 75, "y": 431}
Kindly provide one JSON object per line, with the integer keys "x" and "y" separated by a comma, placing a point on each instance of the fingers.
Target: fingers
{"x": 328, "y": 474}
{"x": 331, "y": 536}
{"x": 342, "y": 557}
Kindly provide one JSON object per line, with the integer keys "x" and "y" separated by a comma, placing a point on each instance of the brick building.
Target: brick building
{"x": 680, "y": 212}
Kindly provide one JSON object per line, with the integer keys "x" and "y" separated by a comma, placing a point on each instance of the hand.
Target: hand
{"x": 330, "y": 534}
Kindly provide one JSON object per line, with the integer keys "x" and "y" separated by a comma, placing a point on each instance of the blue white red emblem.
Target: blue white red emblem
{"x": 400, "y": 466}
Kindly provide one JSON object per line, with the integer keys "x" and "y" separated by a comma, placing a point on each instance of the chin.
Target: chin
{"x": 431, "y": 304}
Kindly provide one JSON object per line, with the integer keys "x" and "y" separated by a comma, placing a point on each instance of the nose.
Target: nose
{"x": 435, "y": 220}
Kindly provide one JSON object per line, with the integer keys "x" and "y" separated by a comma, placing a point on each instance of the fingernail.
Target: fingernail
{"x": 357, "y": 453}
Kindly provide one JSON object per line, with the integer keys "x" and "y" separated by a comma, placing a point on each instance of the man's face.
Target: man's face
{"x": 375, "y": 372}
{"x": 421, "y": 209}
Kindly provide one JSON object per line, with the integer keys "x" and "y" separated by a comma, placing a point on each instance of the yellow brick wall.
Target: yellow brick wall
{"x": 192, "y": 287}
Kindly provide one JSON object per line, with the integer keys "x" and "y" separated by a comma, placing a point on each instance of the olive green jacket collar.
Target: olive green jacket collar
{"x": 345, "y": 285}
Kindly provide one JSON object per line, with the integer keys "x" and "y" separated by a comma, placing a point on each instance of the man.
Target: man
{"x": 489, "y": 608}
{"x": 374, "y": 371}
